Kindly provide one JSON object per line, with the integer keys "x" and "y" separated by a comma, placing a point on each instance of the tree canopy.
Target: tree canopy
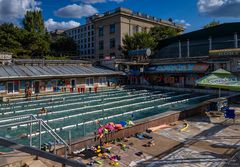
{"x": 161, "y": 33}
{"x": 32, "y": 41}
{"x": 212, "y": 24}
{"x": 33, "y": 21}
{"x": 139, "y": 40}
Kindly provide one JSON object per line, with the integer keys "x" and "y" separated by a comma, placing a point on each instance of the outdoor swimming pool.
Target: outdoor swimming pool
{"x": 79, "y": 113}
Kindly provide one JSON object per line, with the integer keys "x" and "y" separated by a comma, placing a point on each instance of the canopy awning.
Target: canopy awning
{"x": 221, "y": 79}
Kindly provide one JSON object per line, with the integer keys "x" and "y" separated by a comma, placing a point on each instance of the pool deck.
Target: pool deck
{"x": 210, "y": 140}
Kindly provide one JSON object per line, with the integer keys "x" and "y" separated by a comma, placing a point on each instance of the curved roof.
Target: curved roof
{"x": 216, "y": 31}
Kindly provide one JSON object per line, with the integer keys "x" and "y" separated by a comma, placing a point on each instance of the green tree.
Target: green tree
{"x": 63, "y": 45}
{"x": 37, "y": 45}
{"x": 161, "y": 33}
{"x": 212, "y": 24}
{"x": 139, "y": 40}
{"x": 33, "y": 21}
{"x": 10, "y": 39}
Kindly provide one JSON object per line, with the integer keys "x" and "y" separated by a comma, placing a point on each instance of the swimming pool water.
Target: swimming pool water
{"x": 79, "y": 113}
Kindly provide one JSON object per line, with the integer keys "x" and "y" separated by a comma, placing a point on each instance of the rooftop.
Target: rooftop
{"x": 17, "y": 72}
{"x": 221, "y": 30}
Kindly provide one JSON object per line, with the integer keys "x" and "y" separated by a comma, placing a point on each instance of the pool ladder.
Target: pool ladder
{"x": 41, "y": 124}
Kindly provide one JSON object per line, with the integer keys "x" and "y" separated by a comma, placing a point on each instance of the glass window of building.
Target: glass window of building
{"x": 89, "y": 45}
{"x": 112, "y": 43}
{"x": 92, "y": 38}
{"x": 88, "y": 27}
{"x": 92, "y": 32}
{"x": 93, "y": 44}
{"x": 93, "y": 51}
{"x": 102, "y": 80}
{"x": 89, "y": 33}
{"x": 112, "y": 28}
{"x": 135, "y": 28}
{"x": 101, "y": 45}
{"x": 85, "y": 28}
{"x": 92, "y": 26}
{"x": 100, "y": 31}
{"x": 89, "y": 51}
{"x": 89, "y": 81}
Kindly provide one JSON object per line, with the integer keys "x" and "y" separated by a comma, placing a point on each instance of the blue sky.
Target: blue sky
{"x": 64, "y": 14}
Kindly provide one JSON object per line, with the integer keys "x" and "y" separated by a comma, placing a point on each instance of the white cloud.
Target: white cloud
{"x": 52, "y": 25}
{"x": 219, "y": 8}
{"x": 76, "y": 11}
{"x": 183, "y": 22}
{"x": 13, "y": 10}
{"x": 99, "y": 1}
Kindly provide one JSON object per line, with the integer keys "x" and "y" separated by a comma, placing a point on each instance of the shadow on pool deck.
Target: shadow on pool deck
{"x": 207, "y": 152}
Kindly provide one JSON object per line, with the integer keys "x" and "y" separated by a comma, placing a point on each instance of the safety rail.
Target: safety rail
{"x": 41, "y": 123}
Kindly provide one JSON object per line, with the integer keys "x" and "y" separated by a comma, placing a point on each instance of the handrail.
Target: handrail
{"x": 34, "y": 151}
{"x": 41, "y": 123}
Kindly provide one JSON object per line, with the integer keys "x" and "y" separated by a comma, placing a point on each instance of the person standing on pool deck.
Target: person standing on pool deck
{"x": 90, "y": 89}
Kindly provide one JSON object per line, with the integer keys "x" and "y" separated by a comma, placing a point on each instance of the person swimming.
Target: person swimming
{"x": 42, "y": 111}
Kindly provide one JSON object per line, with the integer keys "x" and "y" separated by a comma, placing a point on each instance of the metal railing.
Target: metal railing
{"x": 41, "y": 124}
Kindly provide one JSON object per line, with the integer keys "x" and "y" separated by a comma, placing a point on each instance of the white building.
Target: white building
{"x": 84, "y": 38}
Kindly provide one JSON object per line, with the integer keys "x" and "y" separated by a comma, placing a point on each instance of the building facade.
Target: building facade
{"x": 84, "y": 36}
{"x": 183, "y": 59}
{"x": 101, "y": 37}
{"x": 53, "y": 76}
{"x": 112, "y": 26}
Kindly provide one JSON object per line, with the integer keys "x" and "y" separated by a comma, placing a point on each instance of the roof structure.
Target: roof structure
{"x": 17, "y": 72}
{"x": 216, "y": 31}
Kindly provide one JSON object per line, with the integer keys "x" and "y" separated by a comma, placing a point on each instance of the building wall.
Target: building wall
{"x": 84, "y": 38}
{"x": 105, "y": 24}
{"x": 44, "y": 85}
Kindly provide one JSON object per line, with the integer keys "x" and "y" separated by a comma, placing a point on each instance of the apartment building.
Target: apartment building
{"x": 112, "y": 26}
{"x": 84, "y": 38}
{"x": 101, "y": 37}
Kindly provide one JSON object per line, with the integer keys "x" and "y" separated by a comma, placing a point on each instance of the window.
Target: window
{"x": 89, "y": 45}
{"x": 92, "y": 44}
{"x": 85, "y": 28}
{"x": 89, "y": 81}
{"x": 102, "y": 81}
{"x": 92, "y": 51}
{"x": 92, "y": 32}
{"x": 92, "y": 38}
{"x": 2, "y": 87}
{"x": 112, "y": 28}
{"x": 112, "y": 43}
{"x": 13, "y": 87}
{"x": 100, "y": 31}
{"x": 88, "y": 27}
{"x": 92, "y": 26}
{"x": 101, "y": 45}
{"x": 238, "y": 65}
{"x": 136, "y": 28}
{"x": 89, "y": 51}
